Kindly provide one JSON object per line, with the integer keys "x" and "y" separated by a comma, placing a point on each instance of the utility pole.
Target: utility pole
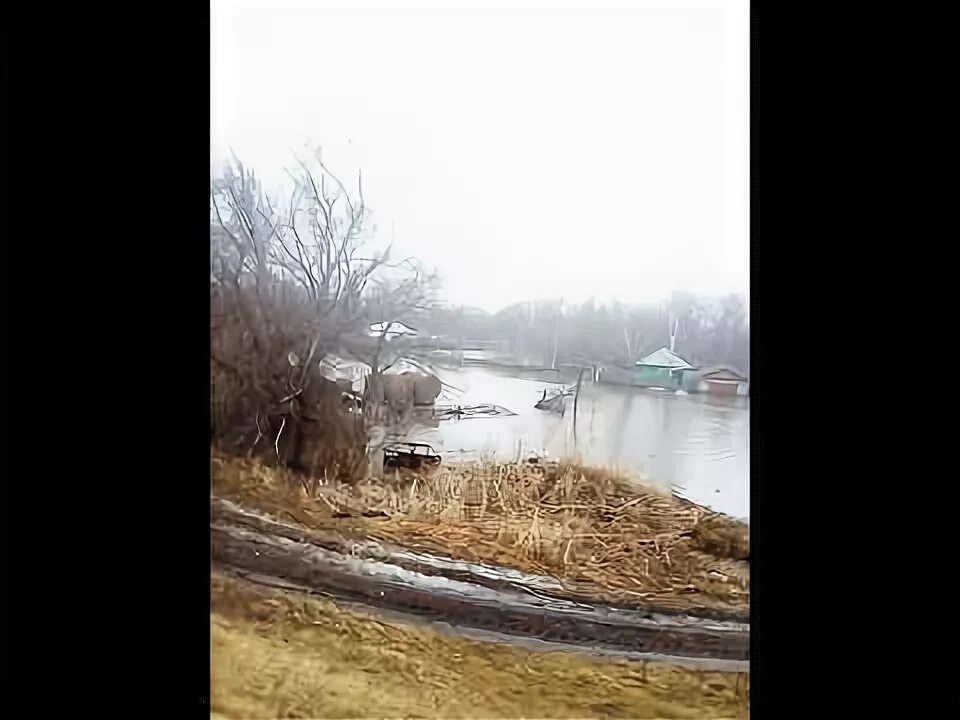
{"x": 556, "y": 344}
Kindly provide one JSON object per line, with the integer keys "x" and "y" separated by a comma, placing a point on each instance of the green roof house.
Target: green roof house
{"x": 662, "y": 368}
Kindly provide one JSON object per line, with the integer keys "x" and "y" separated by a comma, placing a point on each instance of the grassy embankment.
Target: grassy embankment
{"x": 281, "y": 655}
{"x": 592, "y": 529}
{"x": 277, "y": 655}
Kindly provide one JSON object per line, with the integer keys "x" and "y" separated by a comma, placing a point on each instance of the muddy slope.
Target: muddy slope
{"x": 463, "y": 595}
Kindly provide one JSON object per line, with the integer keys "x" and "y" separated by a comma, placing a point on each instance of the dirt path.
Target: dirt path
{"x": 463, "y": 595}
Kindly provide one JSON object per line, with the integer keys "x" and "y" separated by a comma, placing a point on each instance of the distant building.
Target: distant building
{"x": 392, "y": 330}
{"x": 349, "y": 374}
{"x": 723, "y": 380}
{"x": 662, "y": 368}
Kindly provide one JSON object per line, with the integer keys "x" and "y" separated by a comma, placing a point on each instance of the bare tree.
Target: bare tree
{"x": 290, "y": 284}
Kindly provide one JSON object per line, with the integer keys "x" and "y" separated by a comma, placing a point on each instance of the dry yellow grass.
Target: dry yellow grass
{"x": 276, "y": 656}
{"x": 590, "y": 528}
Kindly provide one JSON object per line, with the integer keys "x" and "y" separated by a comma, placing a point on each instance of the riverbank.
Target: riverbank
{"x": 468, "y": 597}
{"x": 279, "y": 654}
{"x": 596, "y": 535}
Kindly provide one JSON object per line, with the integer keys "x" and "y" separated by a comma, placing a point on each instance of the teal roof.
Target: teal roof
{"x": 663, "y": 358}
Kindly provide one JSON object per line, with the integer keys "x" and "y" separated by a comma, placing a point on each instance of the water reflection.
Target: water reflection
{"x": 698, "y": 444}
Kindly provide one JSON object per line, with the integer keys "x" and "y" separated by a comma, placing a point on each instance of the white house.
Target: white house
{"x": 338, "y": 369}
{"x": 392, "y": 329}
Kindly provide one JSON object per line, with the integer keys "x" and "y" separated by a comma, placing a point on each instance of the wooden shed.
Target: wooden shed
{"x": 724, "y": 380}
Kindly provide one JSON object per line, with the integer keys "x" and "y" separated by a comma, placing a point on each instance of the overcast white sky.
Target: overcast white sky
{"x": 526, "y": 150}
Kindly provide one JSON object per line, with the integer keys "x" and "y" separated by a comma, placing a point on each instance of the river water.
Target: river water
{"x": 696, "y": 444}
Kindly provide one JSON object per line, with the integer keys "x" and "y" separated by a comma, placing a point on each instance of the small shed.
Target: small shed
{"x": 349, "y": 374}
{"x": 662, "y": 368}
{"x": 724, "y": 380}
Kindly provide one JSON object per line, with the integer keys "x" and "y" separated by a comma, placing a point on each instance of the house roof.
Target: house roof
{"x": 334, "y": 368}
{"x": 403, "y": 365}
{"x": 392, "y": 329}
{"x": 723, "y": 372}
{"x": 663, "y": 358}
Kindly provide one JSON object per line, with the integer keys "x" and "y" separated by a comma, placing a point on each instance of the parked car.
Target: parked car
{"x": 412, "y": 456}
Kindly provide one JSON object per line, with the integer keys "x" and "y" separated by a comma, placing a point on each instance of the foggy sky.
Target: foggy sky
{"x": 526, "y": 150}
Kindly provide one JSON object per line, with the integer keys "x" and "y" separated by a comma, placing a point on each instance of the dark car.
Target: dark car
{"x": 411, "y": 456}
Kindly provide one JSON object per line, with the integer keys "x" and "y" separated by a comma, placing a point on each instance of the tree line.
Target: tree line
{"x": 705, "y": 331}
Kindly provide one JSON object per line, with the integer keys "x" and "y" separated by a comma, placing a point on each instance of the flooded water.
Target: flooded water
{"x": 697, "y": 444}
